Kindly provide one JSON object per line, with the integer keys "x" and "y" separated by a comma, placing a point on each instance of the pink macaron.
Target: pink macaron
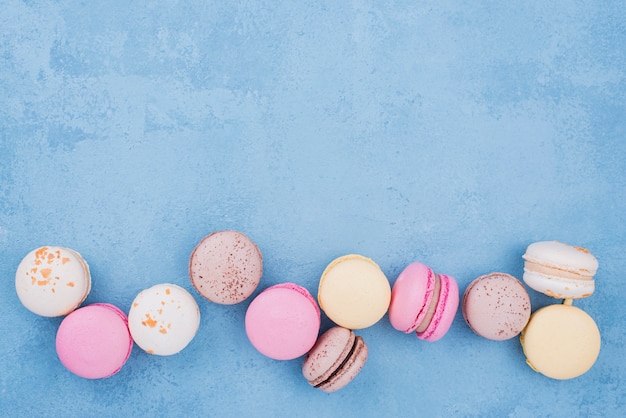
{"x": 423, "y": 302}
{"x": 94, "y": 341}
{"x": 283, "y": 321}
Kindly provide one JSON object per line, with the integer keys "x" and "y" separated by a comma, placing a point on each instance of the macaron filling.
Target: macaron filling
{"x": 432, "y": 306}
{"x": 557, "y": 272}
{"x": 444, "y": 310}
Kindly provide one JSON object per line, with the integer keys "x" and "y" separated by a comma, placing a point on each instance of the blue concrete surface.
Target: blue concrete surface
{"x": 449, "y": 132}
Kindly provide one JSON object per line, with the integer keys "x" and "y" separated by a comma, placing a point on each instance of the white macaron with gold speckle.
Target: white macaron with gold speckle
{"x": 163, "y": 319}
{"x": 52, "y": 281}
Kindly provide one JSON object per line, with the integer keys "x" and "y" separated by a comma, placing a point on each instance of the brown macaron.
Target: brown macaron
{"x": 335, "y": 360}
{"x": 496, "y": 306}
{"x": 226, "y": 267}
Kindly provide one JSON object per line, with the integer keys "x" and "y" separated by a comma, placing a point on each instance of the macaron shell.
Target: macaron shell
{"x": 283, "y": 321}
{"x": 335, "y": 360}
{"x": 350, "y": 369}
{"x": 496, "y": 306}
{"x": 94, "y": 341}
{"x": 411, "y": 296}
{"x": 354, "y": 292}
{"x": 445, "y": 312}
{"x": 52, "y": 281}
{"x": 558, "y": 287}
{"x": 329, "y": 351}
{"x": 226, "y": 267}
{"x": 164, "y": 319}
{"x": 562, "y": 256}
{"x": 561, "y": 341}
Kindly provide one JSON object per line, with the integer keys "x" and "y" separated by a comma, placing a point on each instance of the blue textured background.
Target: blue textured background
{"x": 435, "y": 131}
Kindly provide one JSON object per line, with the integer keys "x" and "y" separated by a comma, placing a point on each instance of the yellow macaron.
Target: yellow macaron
{"x": 354, "y": 292}
{"x": 561, "y": 341}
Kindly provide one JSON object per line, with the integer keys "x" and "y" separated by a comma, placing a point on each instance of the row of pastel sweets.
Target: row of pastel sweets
{"x": 283, "y": 321}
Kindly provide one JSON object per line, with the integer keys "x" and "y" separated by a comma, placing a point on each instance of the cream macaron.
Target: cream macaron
{"x": 354, "y": 292}
{"x": 52, "y": 281}
{"x": 561, "y": 341}
{"x": 560, "y": 270}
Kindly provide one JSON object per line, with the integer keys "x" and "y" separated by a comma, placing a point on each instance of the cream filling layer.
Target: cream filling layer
{"x": 432, "y": 307}
{"x": 556, "y": 272}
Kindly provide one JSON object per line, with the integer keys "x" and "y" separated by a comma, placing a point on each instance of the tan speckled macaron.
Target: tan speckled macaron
{"x": 226, "y": 267}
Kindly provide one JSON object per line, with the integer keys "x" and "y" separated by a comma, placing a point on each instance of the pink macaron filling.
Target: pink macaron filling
{"x": 444, "y": 313}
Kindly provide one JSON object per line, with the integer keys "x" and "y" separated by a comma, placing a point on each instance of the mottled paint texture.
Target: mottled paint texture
{"x": 449, "y": 132}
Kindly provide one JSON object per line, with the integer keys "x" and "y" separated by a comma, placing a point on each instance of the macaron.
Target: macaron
{"x": 560, "y": 270}
{"x": 226, "y": 267}
{"x": 423, "y": 302}
{"x": 354, "y": 292}
{"x": 93, "y": 341}
{"x": 561, "y": 341}
{"x": 496, "y": 306}
{"x": 163, "y": 319}
{"x": 283, "y": 321}
{"x": 335, "y": 360}
{"x": 52, "y": 281}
